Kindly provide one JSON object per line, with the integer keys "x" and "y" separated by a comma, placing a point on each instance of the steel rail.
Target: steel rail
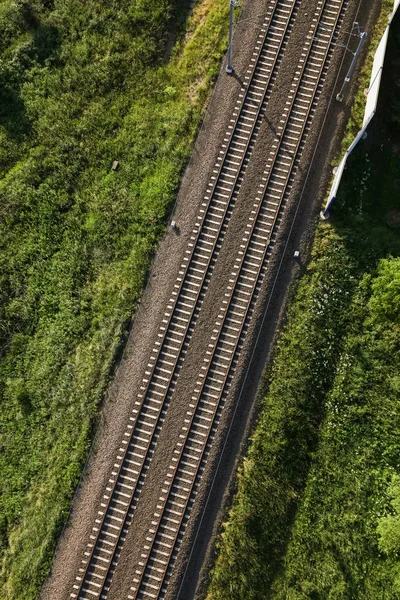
{"x": 235, "y": 282}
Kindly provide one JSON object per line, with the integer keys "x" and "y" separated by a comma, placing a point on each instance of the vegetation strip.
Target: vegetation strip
{"x": 81, "y": 87}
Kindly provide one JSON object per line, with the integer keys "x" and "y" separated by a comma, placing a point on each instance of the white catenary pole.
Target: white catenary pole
{"x": 363, "y": 37}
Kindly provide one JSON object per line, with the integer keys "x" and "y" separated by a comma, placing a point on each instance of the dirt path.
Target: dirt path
{"x": 148, "y": 319}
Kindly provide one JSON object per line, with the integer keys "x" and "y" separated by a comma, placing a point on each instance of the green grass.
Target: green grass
{"x": 317, "y": 510}
{"x": 334, "y": 546}
{"x": 81, "y": 84}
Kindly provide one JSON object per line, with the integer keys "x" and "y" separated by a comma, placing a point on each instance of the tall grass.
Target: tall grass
{"x": 81, "y": 84}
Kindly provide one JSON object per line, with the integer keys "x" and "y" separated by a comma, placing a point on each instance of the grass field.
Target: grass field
{"x": 81, "y": 84}
{"x": 317, "y": 511}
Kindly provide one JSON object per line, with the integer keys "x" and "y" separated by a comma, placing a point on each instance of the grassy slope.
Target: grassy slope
{"x": 314, "y": 490}
{"x": 81, "y": 84}
{"x": 334, "y": 547}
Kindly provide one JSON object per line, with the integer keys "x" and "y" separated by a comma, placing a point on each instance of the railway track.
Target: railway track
{"x": 190, "y": 454}
{"x": 126, "y": 481}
